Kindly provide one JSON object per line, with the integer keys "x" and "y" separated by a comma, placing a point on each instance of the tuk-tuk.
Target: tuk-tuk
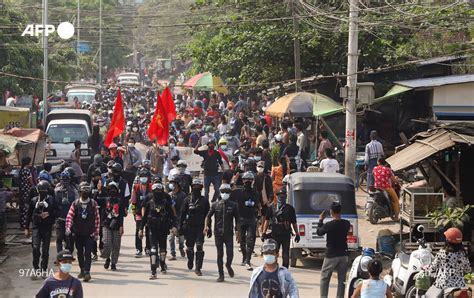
{"x": 311, "y": 193}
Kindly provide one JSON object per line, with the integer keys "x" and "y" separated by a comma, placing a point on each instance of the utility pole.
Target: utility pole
{"x": 296, "y": 46}
{"x": 78, "y": 30}
{"x": 100, "y": 42}
{"x": 45, "y": 64}
{"x": 351, "y": 108}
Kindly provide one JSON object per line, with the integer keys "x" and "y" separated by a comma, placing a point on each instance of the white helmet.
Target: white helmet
{"x": 224, "y": 187}
{"x": 182, "y": 163}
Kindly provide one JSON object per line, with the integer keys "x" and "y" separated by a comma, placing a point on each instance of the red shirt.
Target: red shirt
{"x": 382, "y": 177}
{"x": 212, "y": 113}
{"x": 197, "y": 111}
{"x": 268, "y": 119}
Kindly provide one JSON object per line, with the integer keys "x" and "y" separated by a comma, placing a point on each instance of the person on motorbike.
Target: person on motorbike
{"x": 374, "y": 286}
{"x": 450, "y": 264}
{"x": 384, "y": 180}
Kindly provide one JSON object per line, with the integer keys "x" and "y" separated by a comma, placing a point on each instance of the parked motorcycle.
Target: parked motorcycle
{"x": 359, "y": 269}
{"x": 406, "y": 266}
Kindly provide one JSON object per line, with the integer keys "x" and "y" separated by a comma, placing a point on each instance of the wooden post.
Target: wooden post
{"x": 457, "y": 174}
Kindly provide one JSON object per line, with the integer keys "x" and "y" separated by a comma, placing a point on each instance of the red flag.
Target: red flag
{"x": 117, "y": 125}
{"x": 168, "y": 103}
{"x": 159, "y": 126}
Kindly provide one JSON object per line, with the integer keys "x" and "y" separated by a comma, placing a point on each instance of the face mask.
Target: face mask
{"x": 113, "y": 192}
{"x": 171, "y": 186}
{"x": 260, "y": 170}
{"x": 135, "y": 129}
{"x": 131, "y": 145}
{"x": 65, "y": 267}
{"x": 197, "y": 191}
{"x": 180, "y": 140}
{"x": 84, "y": 196}
{"x": 143, "y": 180}
{"x": 225, "y": 196}
{"x": 269, "y": 259}
{"x": 257, "y": 158}
{"x": 181, "y": 170}
{"x": 128, "y": 128}
{"x": 223, "y": 147}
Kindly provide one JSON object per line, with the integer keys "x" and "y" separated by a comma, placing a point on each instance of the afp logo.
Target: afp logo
{"x": 65, "y": 30}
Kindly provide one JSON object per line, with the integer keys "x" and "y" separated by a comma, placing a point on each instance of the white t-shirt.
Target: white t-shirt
{"x": 10, "y": 102}
{"x": 329, "y": 165}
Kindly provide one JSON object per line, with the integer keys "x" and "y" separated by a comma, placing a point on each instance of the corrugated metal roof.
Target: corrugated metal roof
{"x": 437, "y": 81}
{"x": 423, "y": 148}
{"x": 440, "y": 59}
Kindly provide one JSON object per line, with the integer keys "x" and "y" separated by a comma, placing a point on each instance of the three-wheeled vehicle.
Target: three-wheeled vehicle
{"x": 311, "y": 193}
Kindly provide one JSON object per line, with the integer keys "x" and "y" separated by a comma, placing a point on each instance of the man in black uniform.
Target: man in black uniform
{"x": 248, "y": 207}
{"x": 177, "y": 199}
{"x": 281, "y": 217}
{"x": 159, "y": 216}
{"x": 193, "y": 216}
{"x": 41, "y": 212}
{"x": 224, "y": 211}
{"x": 124, "y": 189}
{"x": 182, "y": 178}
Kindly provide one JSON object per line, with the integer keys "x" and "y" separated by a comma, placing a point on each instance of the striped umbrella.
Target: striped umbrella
{"x": 206, "y": 82}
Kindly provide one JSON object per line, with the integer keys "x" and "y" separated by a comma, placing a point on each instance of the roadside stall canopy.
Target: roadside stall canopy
{"x": 206, "y": 82}
{"x": 303, "y": 104}
{"x": 425, "y": 144}
{"x": 324, "y": 106}
{"x": 17, "y": 143}
{"x": 425, "y": 83}
{"x": 299, "y": 104}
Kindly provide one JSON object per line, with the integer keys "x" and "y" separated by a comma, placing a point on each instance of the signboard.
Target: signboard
{"x": 11, "y": 117}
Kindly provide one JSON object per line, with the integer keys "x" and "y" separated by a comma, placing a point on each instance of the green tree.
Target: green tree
{"x": 252, "y": 43}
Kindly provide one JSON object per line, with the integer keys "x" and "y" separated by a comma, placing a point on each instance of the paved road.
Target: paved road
{"x": 131, "y": 278}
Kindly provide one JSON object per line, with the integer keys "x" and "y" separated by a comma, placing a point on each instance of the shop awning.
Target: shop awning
{"x": 395, "y": 90}
{"x": 428, "y": 143}
{"x": 324, "y": 106}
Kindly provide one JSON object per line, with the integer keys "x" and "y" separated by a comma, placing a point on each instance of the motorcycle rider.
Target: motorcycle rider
{"x": 83, "y": 220}
{"x": 374, "y": 286}
{"x": 140, "y": 194}
{"x": 384, "y": 179}
{"x": 225, "y": 212}
{"x": 177, "y": 199}
{"x": 193, "y": 216}
{"x": 248, "y": 207}
{"x": 41, "y": 213}
{"x": 281, "y": 217}
{"x": 450, "y": 264}
{"x": 158, "y": 215}
{"x": 65, "y": 194}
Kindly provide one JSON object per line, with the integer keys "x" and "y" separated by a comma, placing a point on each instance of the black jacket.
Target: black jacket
{"x": 34, "y": 212}
{"x": 211, "y": 161}
{"x": 193, "y": 212}
{"x": 225, "y": 212}
{"x": 248, "y": 204}
{"x": 158, "y": 213}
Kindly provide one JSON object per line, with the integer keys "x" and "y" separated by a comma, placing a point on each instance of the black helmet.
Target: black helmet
{"x": 43, "y": 186}
{"x": 117, "y": 168}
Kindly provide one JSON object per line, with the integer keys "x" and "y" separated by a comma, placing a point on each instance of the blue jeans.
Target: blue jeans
{"x": 370, "y": 167}
{"x": 172, "y": 242}
{"x": 216, "y": 183}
